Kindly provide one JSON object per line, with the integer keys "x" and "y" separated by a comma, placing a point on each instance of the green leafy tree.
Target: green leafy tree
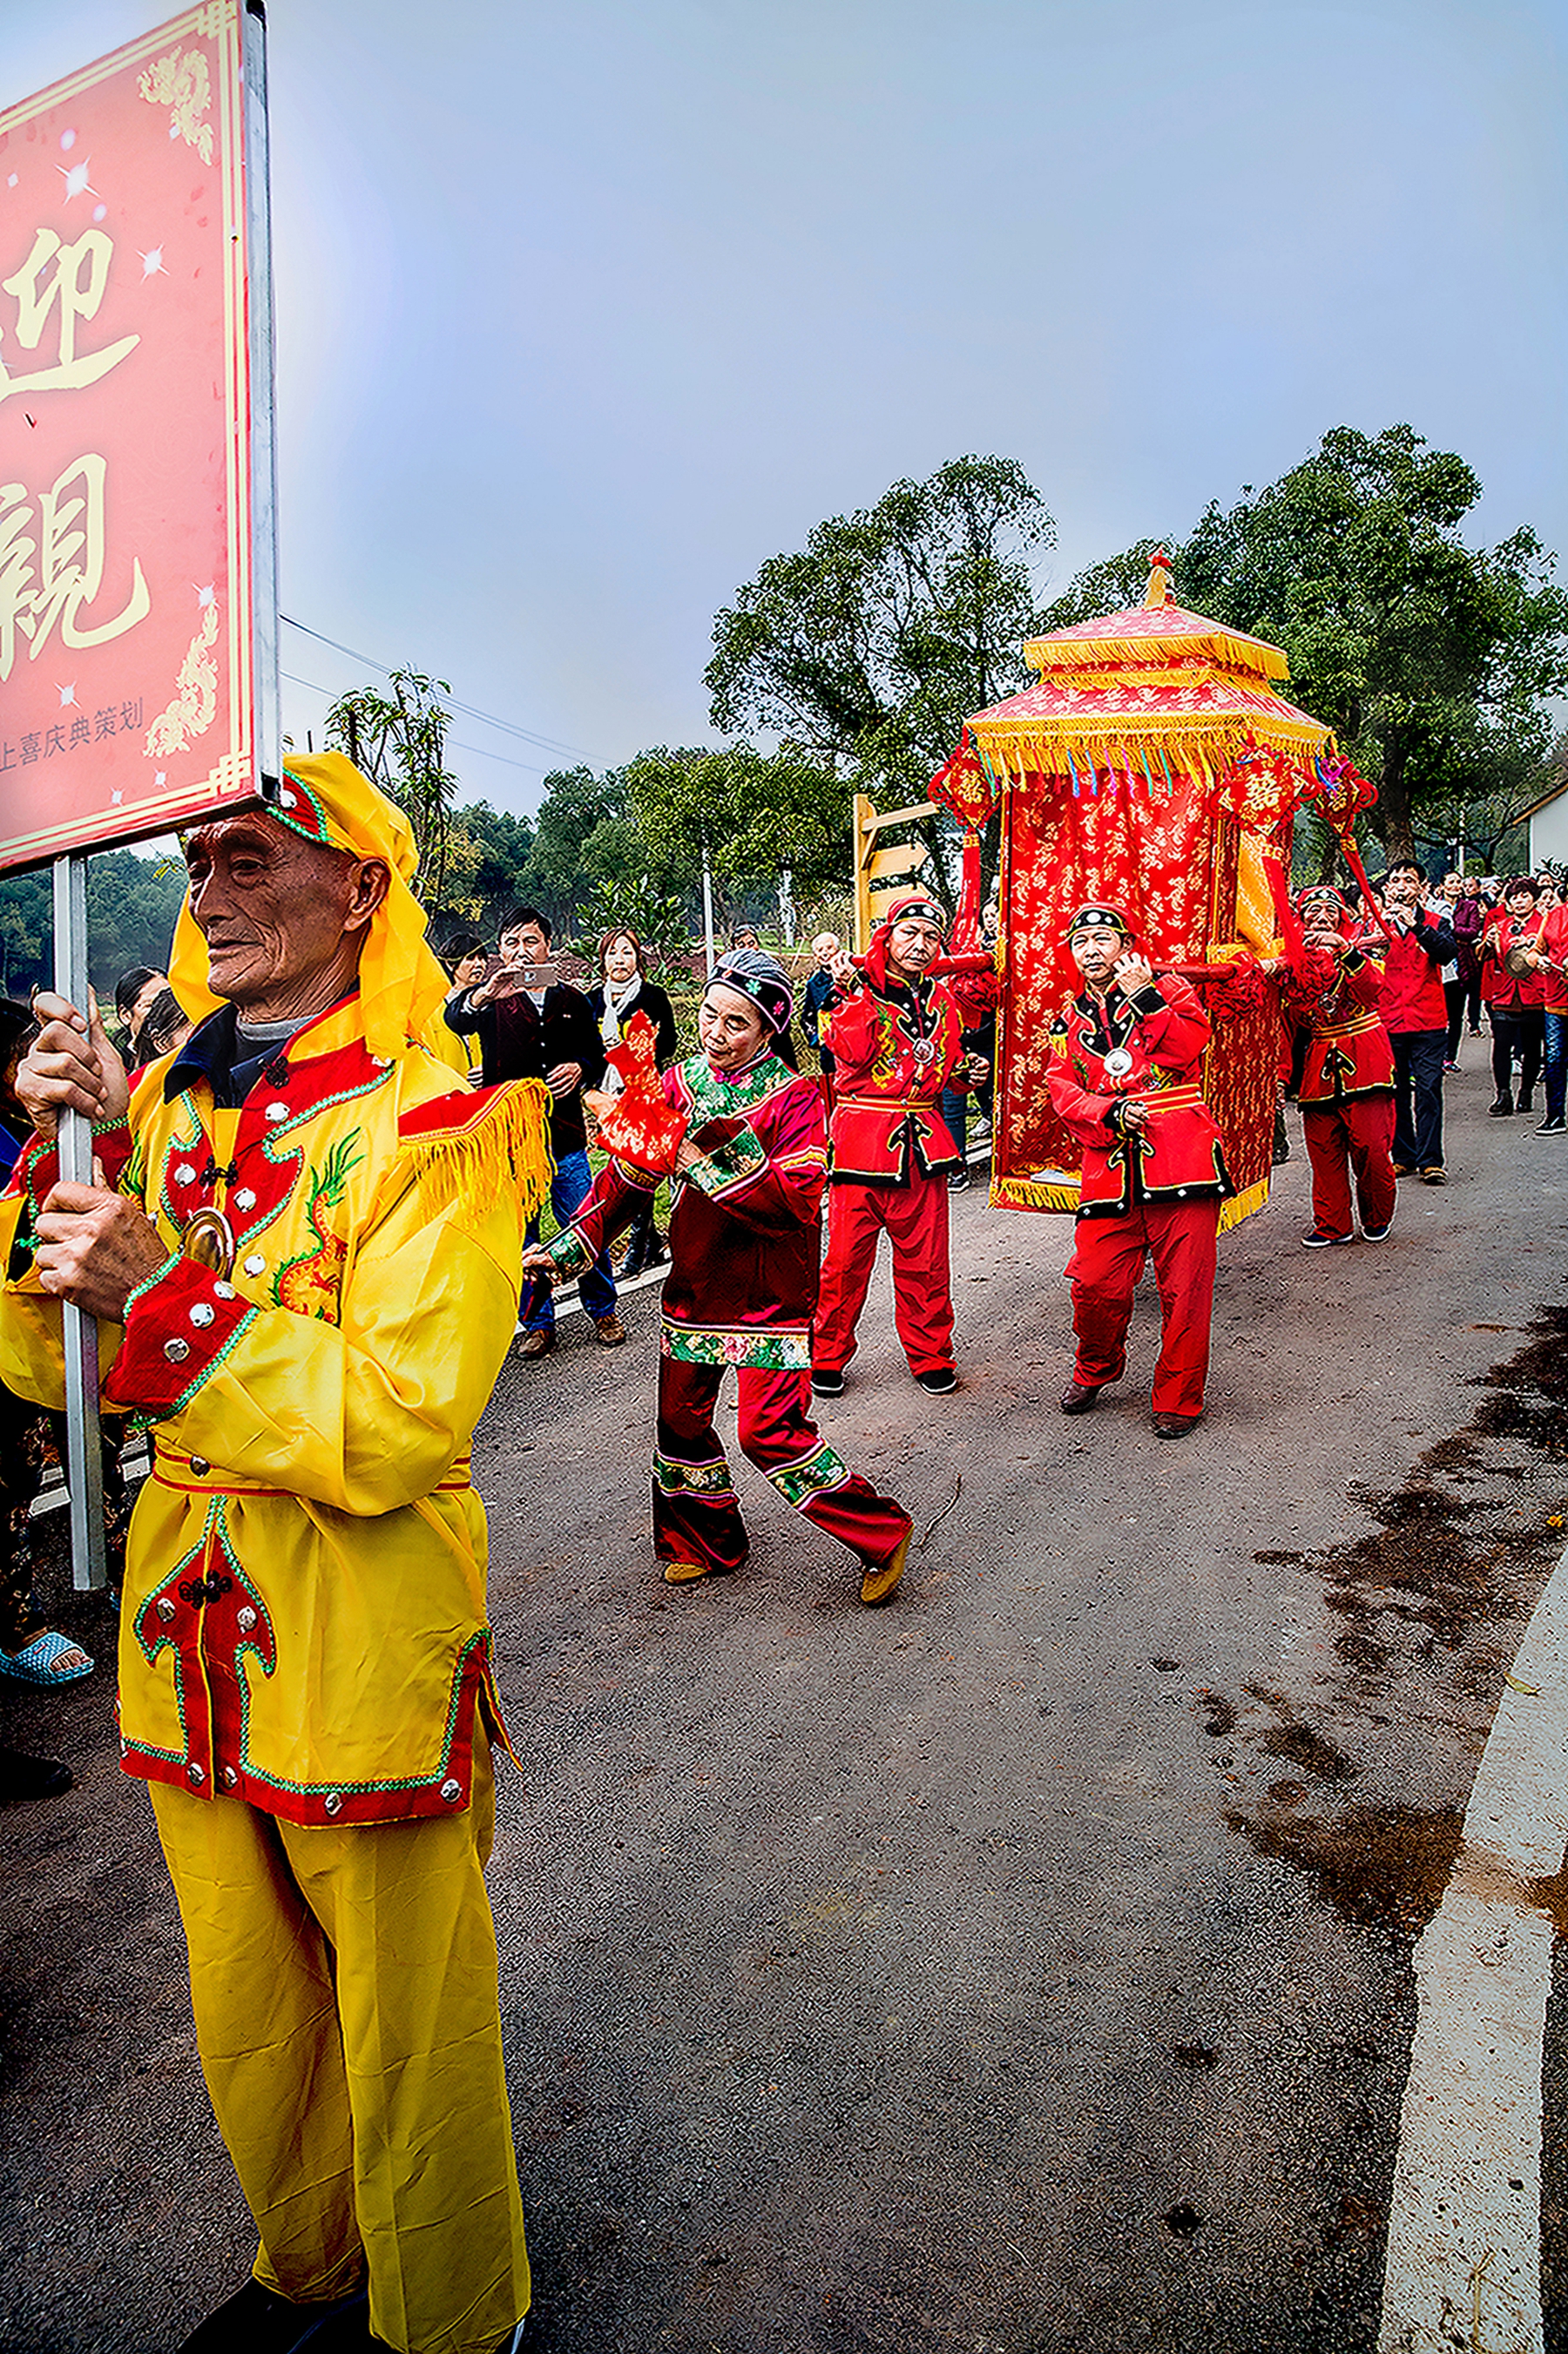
{"x": 660, "y": 919}
{"x": 756, "y": 814}
{"x": 25, "y": 927}
{"x": 875, "y": 641}
{"x": 577, "y": 802}
{"x": 132, "y": 907}
{"x": 1435, "y": 662}
{"x": 398, "y": 741}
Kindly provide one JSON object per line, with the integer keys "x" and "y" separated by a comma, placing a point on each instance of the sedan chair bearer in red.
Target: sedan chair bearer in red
{"x": 897, "y": 1038}
{"x": 1333, "y": 985}
{"x": 1123, "y": 1077}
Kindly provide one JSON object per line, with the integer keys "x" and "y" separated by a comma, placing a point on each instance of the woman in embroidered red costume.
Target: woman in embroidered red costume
{"x": 741, "y": 1133}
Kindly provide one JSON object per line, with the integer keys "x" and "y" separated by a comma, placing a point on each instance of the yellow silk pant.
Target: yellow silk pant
{"x": 347, "y": 2016}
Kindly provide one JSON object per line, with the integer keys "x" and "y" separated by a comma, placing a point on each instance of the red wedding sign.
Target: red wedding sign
{"x": 137, "y": 585}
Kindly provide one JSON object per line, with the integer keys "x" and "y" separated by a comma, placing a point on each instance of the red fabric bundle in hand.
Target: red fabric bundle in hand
{"x": 637, "y": 1126}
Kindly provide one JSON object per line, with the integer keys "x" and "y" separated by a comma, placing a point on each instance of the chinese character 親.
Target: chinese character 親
{"x": 69, "y": 279}
{"x": 51, "y": 564}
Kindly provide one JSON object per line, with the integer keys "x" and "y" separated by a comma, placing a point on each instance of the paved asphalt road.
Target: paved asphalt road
{"x": 1025, "y": 1966}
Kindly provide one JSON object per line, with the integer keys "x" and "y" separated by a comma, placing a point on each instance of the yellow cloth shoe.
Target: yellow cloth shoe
{"x": 683, "y": 1573}
{"x": 880, "y": 1578}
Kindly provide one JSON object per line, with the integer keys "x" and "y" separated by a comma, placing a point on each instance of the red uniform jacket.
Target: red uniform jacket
{"x": 1499, "y": 986}
{"x": 1412, "y": 961}
{"x": 895, "y": 1050}
{"x": 1348, "y": 1052}
{"x": 744, "y": 1233}
{"x": 1555, "y": 982}
{"x": 1146, "y": 1047}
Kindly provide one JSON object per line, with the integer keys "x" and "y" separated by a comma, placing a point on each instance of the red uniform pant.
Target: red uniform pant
{"x": 696, "y": 1514}
{"x": 1108, "y": 1259}
{"x": 1341, "y": 1136}
{"x": 916, "y": 1218}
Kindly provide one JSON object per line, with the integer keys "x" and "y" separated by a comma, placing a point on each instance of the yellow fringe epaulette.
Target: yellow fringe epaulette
{"x": 478, "y": 1143}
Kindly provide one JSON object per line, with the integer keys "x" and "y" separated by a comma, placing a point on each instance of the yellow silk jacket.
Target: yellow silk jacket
{"x": 303, "y": 1620}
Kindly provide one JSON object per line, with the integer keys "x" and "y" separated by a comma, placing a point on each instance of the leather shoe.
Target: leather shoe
{"x": 256, "y": 2321}
{"x": 608, "y": 1331}
{"x": 536, "y": 1344}
{"x": 1079, "y": 1396}
{"x": 1174, "y": 1426}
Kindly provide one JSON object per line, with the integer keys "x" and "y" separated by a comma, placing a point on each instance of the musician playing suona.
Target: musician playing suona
{"x": 743, "y": 1138}
{"x": 897, "y": 1040}
{"x": 304, "y": 1260}
{"x": 1123, "y": 1077}
{"x": 1332, "y": 989}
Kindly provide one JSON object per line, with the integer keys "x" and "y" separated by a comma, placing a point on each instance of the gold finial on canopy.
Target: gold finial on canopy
{"x": 1158, "y": 589}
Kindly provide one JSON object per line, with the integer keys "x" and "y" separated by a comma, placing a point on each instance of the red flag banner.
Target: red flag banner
{"x": 128, "y": 688}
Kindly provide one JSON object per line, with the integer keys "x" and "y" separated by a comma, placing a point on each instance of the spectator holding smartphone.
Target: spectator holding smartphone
{"x": 531, "y": 1024}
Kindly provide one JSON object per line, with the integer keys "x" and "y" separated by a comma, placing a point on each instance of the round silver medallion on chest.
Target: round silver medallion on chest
{"x": 1118, "y": 1063}
{"x": 923, "y": 1051}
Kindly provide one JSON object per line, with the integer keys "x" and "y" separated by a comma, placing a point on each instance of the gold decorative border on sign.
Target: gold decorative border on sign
{"x": 195, "y": 705}
{"x": 182, "y": 82}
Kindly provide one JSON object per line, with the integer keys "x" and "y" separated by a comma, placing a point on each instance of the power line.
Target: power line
{"x": 529, "y": 768}
{"x": 470, "y": 710}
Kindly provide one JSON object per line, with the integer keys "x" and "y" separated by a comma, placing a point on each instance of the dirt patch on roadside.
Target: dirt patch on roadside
{"x": 1434, "y": 1597}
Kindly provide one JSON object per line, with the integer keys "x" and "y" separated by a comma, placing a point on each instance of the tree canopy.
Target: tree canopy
{"x": 1435, "y": 661}
{"x": 874, "y": 642}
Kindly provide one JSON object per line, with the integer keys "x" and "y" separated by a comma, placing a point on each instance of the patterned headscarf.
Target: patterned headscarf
{"x": 761, "y": 979}
{"x": 402, "y": 986}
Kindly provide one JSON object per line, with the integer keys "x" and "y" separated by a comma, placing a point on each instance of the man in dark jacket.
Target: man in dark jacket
{"x": 531, "y": 1026}
{"x": 1415, "y": 1011}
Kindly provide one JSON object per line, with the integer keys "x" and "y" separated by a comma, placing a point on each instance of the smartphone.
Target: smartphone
{"x": 507, "y": 980}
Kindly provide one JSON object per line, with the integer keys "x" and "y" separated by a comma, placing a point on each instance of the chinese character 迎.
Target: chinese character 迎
{"x": 51, "y": 577}
{"x": 75, "y": 284}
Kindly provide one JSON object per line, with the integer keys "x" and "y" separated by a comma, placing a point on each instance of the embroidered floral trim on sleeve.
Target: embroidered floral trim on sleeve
{"x": 730, "y": 1166}
{"x": 570, "y": 1254}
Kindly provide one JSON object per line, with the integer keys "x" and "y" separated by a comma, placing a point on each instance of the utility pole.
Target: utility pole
{"x": 708, "y": 902}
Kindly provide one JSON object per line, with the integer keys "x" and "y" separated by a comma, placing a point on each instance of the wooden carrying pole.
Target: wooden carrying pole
{"x": 78, "y": 1332}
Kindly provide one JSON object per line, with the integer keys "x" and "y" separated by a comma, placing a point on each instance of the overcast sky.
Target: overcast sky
{"x": 587, "y": 308}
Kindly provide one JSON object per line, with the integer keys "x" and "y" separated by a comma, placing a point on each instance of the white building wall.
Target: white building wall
{"x": 1549, "y": 831}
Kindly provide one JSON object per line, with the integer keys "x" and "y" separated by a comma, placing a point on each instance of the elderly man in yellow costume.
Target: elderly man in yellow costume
{"x": 305, "y": 1266}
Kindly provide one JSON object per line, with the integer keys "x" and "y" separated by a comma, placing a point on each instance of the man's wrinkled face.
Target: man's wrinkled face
{"x": 913, "y": 944}
{"x": 1095, "y": 950}
{"x": 277, "y": 912}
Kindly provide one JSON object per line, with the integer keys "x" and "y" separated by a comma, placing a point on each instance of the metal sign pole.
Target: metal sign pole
{"x": 79, "y": 1332}
{"x": 269, "y": 724}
